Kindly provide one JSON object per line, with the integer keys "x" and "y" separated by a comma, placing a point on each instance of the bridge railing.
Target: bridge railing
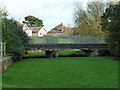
{"x": 67, "y": 40}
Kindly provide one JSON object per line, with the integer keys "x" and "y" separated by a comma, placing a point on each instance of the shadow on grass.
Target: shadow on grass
{"x": 53, "y": 57}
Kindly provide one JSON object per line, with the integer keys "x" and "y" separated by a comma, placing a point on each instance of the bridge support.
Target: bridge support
{"x": 55, "y": 53}
{"x": 90, "y": 53}
{"x": 51, "y": 53}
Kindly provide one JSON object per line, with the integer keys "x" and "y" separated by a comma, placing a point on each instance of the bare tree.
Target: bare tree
{"x": 89, "y": 21}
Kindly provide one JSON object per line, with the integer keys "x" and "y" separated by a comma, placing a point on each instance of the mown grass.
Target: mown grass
{"x": 62, "y": 72}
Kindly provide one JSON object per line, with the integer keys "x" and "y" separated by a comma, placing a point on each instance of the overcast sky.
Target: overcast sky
{"x": 52, "y": 12}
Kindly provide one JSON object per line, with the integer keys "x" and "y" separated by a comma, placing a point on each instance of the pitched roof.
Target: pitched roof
{"x": 25, "y": 27}
{"x": 35, "y": 29}
{"x": 62, "y": 29}
{"x": 58, "y": 29}
{"x": 20, "y": 24}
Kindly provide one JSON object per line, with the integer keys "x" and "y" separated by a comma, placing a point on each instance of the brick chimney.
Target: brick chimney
{"x": 62, "y": 26}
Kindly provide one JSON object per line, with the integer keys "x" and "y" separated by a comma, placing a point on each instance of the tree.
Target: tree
{"x": 23, "y": 36}
{"x": 3, "y": 12}
{"x": 33, "y": 21}
{"x": 11, "y": 36}
{"x": 95, "y": 11}
{"x": 88, "y": 21}
{"x": 111, "y": 25}
{"x": 11, "y": 33}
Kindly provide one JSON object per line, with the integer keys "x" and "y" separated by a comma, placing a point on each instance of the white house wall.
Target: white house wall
{"x": 43, "y": 31}
{"x": 29, "y": 32}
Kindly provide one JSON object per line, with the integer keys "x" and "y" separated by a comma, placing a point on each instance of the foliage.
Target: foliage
{"x": 88, "y": 21}
{"x": 12, "y": 33}
{"x": 3, "y": 12}
{"x": 33, "y": 21}
{"x": 23, "y": 36}
{"x": 104, "y": 53}
{"x": 111, "y": 25}
{"x": 11, "y": 36}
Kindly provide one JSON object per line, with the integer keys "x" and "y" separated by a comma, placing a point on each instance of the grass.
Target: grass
{"x": 62, "y": 72}
{"x": 61, "y": 53}
{"x": 3, "y": 57}
{"x": 74, "y": 52}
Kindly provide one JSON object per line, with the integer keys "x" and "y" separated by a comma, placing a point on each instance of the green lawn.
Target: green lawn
{"x": 61, "y": 53}
{"x": 62, "y": 72}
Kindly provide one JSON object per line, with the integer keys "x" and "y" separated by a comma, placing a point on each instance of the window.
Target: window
{"x": 40, "y": 33}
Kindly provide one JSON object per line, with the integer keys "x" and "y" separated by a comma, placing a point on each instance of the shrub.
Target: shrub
{"x": 23, "y": 36}
{"x": 12, "y": 35}
{"x": 104, "y": 53}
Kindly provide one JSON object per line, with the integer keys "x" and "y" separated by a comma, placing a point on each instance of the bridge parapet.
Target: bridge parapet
{"x": 67, "y": 40}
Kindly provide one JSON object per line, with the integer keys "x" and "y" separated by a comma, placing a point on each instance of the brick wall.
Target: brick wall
{"x": 34, "y": 34}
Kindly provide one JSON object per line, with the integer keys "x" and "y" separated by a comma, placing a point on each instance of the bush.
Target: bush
{"x": 104, "y": 53}
{"x": 111, "y": 26}
{"x": 23, "y": 36}
{"x": 12, "y": 35}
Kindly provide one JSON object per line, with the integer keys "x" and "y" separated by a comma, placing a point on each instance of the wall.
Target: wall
{"x": 34, "y": 34}
{"x": 43, "y": 31}
{"x": 29, "y": 32}
{"x": 5, "y": 63}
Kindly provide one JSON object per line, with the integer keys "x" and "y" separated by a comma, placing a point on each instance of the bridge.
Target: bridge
{"x": 52, "y": 44}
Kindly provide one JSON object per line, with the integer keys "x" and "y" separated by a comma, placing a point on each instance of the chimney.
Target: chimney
{"x": 61, "y": 23}
{"x": 62, "y": 26}
{"x": 20, "y": 21}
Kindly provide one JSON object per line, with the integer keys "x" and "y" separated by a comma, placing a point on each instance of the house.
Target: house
{"x": 27, "y": 30}
{"x": 61, "y": 30}
{"x": 38, "y": 31}
{"x": 35, "y": 31}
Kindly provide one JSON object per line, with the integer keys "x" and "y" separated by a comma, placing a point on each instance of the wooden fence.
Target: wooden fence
{"x": 2, "y": 49}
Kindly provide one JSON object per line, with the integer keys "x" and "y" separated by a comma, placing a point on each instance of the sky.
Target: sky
{"x": 52, "y": 12}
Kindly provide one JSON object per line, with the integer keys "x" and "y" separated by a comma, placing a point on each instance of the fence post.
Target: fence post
{"x": 4, "y": 49}
{"x": 1, "y": 49}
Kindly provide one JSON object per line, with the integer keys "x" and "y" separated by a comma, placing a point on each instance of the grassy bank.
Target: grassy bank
{"x": 62, "y": 72}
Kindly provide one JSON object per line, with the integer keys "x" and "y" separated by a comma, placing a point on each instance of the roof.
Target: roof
{"x": 20, "y": 24}
{"x": 58, "y": 29}
{"x": 62, "y": 29}
{"x": 25, "y": 27}
{"x": 35, "y": 29}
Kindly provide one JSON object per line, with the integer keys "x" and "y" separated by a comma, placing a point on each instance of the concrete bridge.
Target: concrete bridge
{"x": 52, "y": 44}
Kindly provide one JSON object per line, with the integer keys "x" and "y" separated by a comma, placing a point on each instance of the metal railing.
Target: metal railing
{"x": 67, "y": 40}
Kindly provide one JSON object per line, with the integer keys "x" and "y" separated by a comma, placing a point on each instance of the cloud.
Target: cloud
{"x": 52, "y": 12}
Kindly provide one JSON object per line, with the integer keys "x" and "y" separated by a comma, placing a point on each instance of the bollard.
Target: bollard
{"x": 1, "y": 49}
{"x": 4, "y": 49}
